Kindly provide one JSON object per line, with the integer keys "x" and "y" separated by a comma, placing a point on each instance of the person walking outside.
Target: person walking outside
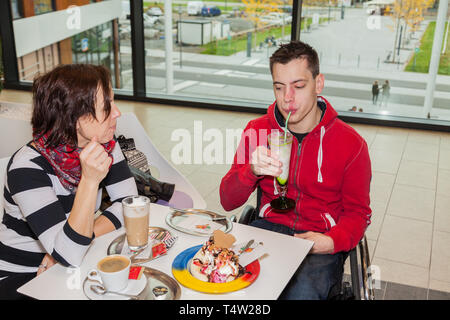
{"x": 375, "y": 92}
{"x": 385, "y": 93}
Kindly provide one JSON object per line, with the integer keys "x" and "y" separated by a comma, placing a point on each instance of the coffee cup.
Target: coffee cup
{"x": 114, "y": 271}
{"x": 136, "y": 210}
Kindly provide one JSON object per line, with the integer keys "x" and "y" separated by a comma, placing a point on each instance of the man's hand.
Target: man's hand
{"x": 322, "y": 244}
{"x": 264, "y": 163}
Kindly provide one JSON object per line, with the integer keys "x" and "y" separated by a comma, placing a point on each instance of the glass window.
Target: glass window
{"x": 376, "y": 57}
{"x": 16, "y": 8}
{"x": 1, "y": 66}
{"x": 219, "y": 53}
{"x": 91, "y": 40}
{"x": 42, "y": 6}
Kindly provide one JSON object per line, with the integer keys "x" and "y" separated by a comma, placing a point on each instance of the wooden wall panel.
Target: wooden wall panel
{"x": 28, "y": 8}
{"x": 65, "y": 51}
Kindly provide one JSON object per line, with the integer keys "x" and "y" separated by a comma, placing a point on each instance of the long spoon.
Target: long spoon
{"x": 246, "y": 246}
{"x": 101, "y": 291}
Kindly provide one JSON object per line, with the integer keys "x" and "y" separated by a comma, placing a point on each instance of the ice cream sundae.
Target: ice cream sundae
{"x": 215, "y": 261}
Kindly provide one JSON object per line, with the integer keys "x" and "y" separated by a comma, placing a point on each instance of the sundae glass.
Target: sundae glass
{"x": 281, "y": 144}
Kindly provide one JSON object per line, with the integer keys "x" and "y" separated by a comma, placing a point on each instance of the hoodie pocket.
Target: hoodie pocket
{"x": 328, "y": 220}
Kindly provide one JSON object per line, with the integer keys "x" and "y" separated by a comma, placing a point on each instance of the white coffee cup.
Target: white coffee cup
{"x": 114, "y": 271}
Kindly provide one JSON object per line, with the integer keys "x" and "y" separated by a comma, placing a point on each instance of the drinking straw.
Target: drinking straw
{"x": 285, "y": 127}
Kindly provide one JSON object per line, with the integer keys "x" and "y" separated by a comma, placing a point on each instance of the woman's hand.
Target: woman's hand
{"x": 46, "y": 263}
{"x": 95, "y": 162}
{"x": 265, "y": 163}
{"x": 322, "y": 244}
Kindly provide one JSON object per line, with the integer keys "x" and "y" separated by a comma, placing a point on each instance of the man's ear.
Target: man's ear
{"x": 320, "y": 83}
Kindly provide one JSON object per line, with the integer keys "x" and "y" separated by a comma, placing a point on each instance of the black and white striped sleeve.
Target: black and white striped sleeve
{"x": 119, "y": 183}
{"x": 32, "y": 190}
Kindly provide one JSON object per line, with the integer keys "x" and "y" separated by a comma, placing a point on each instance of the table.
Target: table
{"x": 285, "y": 255}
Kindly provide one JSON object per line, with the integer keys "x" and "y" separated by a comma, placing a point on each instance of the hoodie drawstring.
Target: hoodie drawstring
{"x": 320, "y": 155}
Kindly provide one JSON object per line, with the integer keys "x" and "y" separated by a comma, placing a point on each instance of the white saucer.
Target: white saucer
{"x": 134, "y": 287}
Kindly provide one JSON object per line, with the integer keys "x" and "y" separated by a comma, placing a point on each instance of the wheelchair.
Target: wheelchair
{"x": 361, "y": 287}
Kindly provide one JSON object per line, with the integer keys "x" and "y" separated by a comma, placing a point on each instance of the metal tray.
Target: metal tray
{"x": 160, "y": 286}
{"x": 116, "y": 245}
{"x": 173, "y": 218}
{"x": 157, "y": 279}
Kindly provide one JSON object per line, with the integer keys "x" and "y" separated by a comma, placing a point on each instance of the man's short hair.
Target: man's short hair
{"x": 296, "y": 50}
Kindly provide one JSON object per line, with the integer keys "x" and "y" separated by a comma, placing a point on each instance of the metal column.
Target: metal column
{"x": 435, "y": 57}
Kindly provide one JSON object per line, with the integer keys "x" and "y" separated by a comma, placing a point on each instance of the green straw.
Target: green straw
{"x": 286, "y": 128}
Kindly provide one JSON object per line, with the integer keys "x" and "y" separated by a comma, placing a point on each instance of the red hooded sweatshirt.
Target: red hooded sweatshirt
{"x": 329, "y": 179}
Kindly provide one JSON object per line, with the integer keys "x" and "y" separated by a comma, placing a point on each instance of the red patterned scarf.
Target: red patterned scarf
{"x": 65, "y": 160}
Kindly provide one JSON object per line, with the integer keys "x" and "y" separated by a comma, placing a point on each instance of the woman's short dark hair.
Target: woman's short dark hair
{"x": 296, "y": 50}
{"x": 63, "y": 95}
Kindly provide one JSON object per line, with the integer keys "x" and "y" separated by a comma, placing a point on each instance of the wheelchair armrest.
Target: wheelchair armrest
{"x": 248, "y": 215}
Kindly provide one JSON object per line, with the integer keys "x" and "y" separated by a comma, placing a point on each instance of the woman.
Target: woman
{"x": 54, "y": 183}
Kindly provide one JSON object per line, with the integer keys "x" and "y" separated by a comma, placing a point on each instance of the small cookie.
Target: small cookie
{"x": 223, "y": 240}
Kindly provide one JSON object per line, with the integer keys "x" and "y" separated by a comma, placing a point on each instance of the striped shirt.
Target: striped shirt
{"x": 36, "y": 208}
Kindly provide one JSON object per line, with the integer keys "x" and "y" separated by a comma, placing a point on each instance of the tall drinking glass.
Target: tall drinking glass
{"x": 136, "y": 211}
{"x": 281, "y": 144}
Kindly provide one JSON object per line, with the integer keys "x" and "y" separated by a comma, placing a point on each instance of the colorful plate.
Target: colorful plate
{"x": 180, "y": 270}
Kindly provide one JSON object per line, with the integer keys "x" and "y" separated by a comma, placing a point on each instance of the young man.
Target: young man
{"x": 329, "y": 173}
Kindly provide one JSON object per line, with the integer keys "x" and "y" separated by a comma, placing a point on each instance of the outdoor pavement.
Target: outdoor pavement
{"x": 352, "y": 47}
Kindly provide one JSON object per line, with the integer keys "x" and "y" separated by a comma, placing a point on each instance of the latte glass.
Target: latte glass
{"x": 136, "y": 211}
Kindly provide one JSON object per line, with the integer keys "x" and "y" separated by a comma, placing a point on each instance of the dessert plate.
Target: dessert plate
{"x": 198, "y": 222}
{"x": 181, "y": 267}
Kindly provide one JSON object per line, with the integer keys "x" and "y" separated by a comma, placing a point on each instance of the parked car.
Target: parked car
{"x": 155, "y": 11}
{"x": 373, "y": 9}
{"x": 211, "y": 11}
{"x": 149, "y": 21}
{"x": 276, "y": 18}
{"x": 194, "y": 8}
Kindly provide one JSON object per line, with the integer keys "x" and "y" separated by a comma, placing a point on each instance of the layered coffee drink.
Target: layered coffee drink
{"x": 136, "y": 216}
{"x": 113, "y": 264}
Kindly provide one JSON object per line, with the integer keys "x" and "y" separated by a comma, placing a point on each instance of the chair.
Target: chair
{"x": 15, "y": 133}
{"x": 185, "y": 195}
{"x": 3, "y": 165}
{"x": 361, "y": 285}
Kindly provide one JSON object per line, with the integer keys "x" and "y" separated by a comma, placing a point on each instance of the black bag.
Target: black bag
{"x": 146, "y": 184}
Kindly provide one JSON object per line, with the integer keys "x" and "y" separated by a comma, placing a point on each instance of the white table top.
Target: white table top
{"x": 285, "y": 255}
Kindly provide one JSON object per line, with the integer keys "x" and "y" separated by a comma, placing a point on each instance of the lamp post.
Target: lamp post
{"x": 168, "y": 39}
{"x": 435, "y": 56}
{"x": 180, "y": 43}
